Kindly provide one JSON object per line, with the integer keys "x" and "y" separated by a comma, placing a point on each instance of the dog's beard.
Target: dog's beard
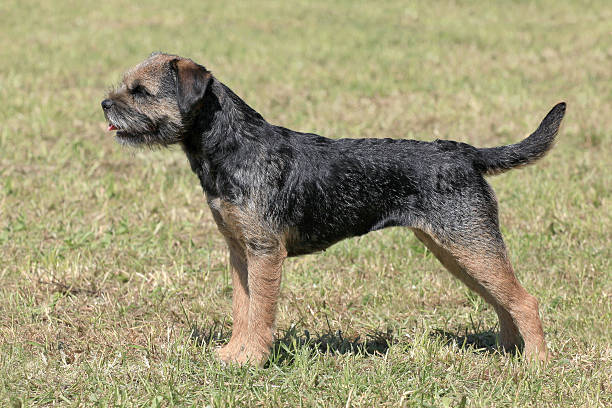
{"x": 135, "y": 129}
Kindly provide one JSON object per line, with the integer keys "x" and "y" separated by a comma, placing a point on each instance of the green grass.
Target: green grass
{"x": 114, "y": 283}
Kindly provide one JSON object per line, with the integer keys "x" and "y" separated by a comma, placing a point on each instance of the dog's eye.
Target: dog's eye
{"x": 139, "y": 90}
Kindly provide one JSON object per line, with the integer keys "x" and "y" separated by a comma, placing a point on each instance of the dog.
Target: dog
{"x": 276, "y": 193}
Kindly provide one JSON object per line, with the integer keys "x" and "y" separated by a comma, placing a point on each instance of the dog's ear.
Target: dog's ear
{"x": 191, "y": 83}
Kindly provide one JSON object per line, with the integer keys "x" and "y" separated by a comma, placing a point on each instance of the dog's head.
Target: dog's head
{"x": 156, "y": 100}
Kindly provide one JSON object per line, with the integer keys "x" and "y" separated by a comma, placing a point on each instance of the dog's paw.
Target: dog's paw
{"x": 536, "y": 353}
{"x": 242, "y": 353}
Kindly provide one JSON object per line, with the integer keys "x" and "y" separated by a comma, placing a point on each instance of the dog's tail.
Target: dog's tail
{"x": 499, "y": 159}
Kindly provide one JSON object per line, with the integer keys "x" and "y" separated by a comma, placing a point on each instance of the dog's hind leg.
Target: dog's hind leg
{"x": 486, "y": 270}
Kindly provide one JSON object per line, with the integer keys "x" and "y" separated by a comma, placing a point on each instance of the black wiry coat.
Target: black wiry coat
{"x": 326, "y": 190}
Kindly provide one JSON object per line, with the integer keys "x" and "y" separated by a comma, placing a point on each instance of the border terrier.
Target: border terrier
{"x": 276, "y": 193}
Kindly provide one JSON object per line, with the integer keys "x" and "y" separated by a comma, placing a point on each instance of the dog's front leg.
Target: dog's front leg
{"x": 264, "y": 278}
{"x": 240, "y": 303}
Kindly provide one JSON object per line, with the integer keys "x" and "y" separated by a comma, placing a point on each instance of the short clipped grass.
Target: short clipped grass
{"x": 114, "y": 283}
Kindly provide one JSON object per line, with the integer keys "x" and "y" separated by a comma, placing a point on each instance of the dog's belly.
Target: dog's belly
{"x": 308, "y": 239}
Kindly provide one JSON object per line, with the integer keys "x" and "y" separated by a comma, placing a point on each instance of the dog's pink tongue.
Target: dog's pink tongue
{"x": 111, "y": 127}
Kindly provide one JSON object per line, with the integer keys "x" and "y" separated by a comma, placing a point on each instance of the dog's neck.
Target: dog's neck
{"x": 223, "y": 125}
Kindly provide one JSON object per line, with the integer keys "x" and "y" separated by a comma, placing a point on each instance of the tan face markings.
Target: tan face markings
{"x": 148, "y": 73}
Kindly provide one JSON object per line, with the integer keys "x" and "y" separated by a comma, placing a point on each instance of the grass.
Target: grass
{"x": 114, "y": 283}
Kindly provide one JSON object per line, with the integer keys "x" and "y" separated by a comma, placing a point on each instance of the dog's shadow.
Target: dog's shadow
{"x": 483, "y": 342}
{"x": 375, "y": 343}
{"x": 292, "y": 340}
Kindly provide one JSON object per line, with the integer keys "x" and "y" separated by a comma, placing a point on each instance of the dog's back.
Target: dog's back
{"x": 334, "y": 189}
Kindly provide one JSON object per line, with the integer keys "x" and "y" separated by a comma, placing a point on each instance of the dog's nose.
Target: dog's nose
{"x": 107, "y": 103}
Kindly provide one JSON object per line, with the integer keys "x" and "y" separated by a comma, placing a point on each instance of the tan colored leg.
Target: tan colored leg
{"x": 492, "y": 277}
{"x": 240, "y": 304}
{"x": 252, "y": 344}
{"x": 256, "y": 256}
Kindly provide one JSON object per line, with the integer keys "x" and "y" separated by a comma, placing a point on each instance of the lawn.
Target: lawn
{"x": 114, "y": 282}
